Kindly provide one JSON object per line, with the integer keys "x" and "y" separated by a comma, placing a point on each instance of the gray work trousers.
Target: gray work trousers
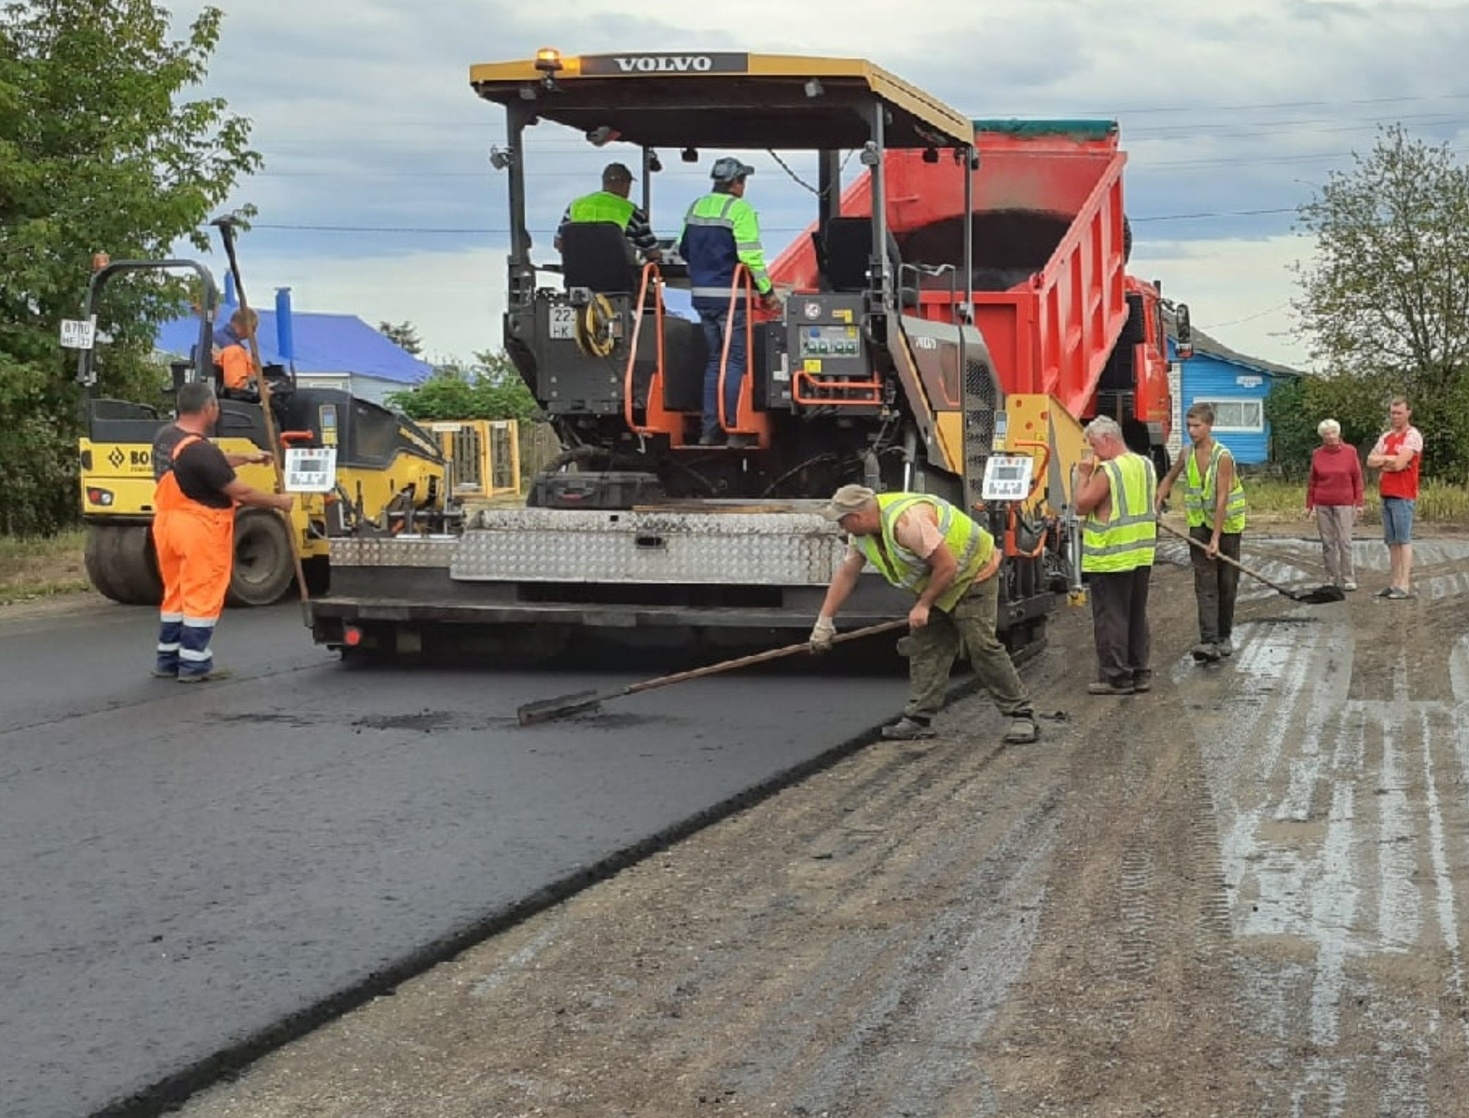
{"x": 933, "y": 649}
{"x": 1334, "y": 522}
{"x": 1216, "y": 584}
{"x": 1120, "y": 624}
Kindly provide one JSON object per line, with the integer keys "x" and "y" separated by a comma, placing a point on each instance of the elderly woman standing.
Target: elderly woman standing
{"x": 1334, "y": 494}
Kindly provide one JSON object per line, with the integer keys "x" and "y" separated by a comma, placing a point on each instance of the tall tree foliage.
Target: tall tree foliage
{"x": 1386, "y": 298}
{"x": 100, "y": 150}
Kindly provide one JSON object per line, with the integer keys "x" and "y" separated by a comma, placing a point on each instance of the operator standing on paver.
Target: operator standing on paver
{"x": 721, "y": 232}
{"x": 925, "y": 545}
{"x": 193, "y": 532}
{"x": 1117, "y": 493}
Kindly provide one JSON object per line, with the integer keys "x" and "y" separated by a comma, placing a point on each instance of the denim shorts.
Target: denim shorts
{"x": 1397, "y": 520}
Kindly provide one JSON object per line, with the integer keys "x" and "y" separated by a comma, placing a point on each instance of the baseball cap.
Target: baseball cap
{"x": 729, "y": 169}
{"x": 847, "y": 499}
{"x": 616, "y": 172}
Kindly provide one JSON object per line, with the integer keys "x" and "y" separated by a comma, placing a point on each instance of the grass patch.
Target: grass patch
{"x": 1438, "y": 502}
{"x": 32, "y": 567}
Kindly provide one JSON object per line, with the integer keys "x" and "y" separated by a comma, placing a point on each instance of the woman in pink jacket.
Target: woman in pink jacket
{"x": 1334, "y": 494}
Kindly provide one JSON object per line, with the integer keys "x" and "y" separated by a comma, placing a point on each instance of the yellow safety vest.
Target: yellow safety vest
{"x": 1199, "y": 494}
{"x": 1128, "y": 537}
{"x": 602, "y": 206}
{"x": 970, "y": 544}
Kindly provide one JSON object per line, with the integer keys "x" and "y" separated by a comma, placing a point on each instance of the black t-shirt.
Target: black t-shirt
{"x": 201, "y": 469}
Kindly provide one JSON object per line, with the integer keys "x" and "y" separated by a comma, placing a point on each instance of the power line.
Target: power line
{"x": 789, "y": 230}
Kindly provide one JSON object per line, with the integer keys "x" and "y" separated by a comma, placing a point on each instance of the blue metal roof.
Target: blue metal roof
{"x": 323, "y": 343}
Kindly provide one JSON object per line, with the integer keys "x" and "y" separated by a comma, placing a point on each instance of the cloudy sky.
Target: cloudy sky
{"x": 377, "y": 197}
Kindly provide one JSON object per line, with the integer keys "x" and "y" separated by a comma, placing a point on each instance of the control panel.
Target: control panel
{"x": 824, "y": 353}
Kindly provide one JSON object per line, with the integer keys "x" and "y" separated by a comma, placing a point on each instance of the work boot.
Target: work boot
{"x": 907, "y": 729}
{"x": 712, "y": 438}
{"x": 1226, "y": 647}
{"x": 1205, "y": 652}
{"x": 1102, "y": 687}
{"x": 742, "y": 442}
{"x": 1022, "y": 730}
{"x": 1142, "y": 680}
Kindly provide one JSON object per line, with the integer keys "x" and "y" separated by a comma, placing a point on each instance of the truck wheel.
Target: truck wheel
{"x": 263, "y": 568}
{"x": 122, "y": 565}
{"x": 97, "y": 570}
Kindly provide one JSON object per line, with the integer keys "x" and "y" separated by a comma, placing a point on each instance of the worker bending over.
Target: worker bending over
{"x": 926, "y": 546}
{"x": 194, "y": 532}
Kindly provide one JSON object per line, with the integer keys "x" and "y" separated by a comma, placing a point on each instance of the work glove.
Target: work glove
{"x": 822, "y": 635}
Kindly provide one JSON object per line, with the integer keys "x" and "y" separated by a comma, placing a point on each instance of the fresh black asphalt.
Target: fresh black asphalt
{"x": 189, "y": 874}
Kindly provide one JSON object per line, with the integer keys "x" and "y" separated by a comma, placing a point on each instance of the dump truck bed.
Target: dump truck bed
{"x": 1049, "y": 248}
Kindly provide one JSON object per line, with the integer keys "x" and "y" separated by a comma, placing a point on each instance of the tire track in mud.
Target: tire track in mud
{"x": 1130, "y": 984}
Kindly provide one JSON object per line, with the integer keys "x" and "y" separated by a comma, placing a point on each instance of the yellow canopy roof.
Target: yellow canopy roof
{"x": 726, "y": 100}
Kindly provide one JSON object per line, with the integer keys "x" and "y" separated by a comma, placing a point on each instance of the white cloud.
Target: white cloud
{"x": 1235, "y": 113}
{"x": 1239, "y": 292}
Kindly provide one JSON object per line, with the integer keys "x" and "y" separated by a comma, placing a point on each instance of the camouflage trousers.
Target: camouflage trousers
{"x": 933, "y": 649}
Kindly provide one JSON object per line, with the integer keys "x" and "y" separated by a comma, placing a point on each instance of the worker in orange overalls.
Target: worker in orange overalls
{"x": 194, "y": 532}
{"x": 230, "y": 350}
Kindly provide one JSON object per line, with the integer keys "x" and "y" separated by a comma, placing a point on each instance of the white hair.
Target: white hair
{"x": 1103, "y": 427}
{"x": 1328, "y": 427}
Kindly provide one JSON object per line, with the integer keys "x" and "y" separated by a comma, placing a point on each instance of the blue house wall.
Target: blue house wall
{"x": 1242, "y": 389}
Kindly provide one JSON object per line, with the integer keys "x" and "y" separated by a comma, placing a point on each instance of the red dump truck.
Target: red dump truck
{"x": 948, "y": 321}
{"x": 1059, "y": 313}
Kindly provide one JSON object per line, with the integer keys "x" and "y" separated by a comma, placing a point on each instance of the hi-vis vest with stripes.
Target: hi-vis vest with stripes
{"x": 602, "y": 206}
{"x": 720, "y": 232}
{"x": 970, "y": 544}
{"x": 1126, "y": 540}
{"x": 1199, "y": 494}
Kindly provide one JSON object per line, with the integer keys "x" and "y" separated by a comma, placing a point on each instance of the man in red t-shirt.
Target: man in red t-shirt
{"x": 1397, "y": 454}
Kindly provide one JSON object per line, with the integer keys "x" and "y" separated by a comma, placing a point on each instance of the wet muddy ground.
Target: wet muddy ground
{"x": 1241, "y": 894}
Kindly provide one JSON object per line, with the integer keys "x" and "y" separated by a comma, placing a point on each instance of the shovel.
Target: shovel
{"x": 545, "y": 710}
{"x": 1320, "y": 596}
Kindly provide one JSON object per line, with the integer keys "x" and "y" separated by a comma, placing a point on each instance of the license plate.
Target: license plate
{"x": 563, "y": 321}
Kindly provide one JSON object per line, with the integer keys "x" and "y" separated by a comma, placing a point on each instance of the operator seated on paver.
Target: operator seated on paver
{"x": 925, "y": 545}
{"x": 721, "y": 232}
{"x": 612, "y": 205}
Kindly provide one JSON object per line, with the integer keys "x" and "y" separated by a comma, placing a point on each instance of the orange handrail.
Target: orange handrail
{"x": 652, "y": 277}
{"x": 741, "y": 273}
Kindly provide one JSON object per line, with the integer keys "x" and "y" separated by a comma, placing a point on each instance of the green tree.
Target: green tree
{"x": 404, "y": 335}
{"x": 488, "y": 388}
{"x": 99, "y": 151}
{"x": 1386, "y": 298}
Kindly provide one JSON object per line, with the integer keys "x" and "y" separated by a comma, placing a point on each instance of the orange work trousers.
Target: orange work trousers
{"x": 195, "y": 546}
